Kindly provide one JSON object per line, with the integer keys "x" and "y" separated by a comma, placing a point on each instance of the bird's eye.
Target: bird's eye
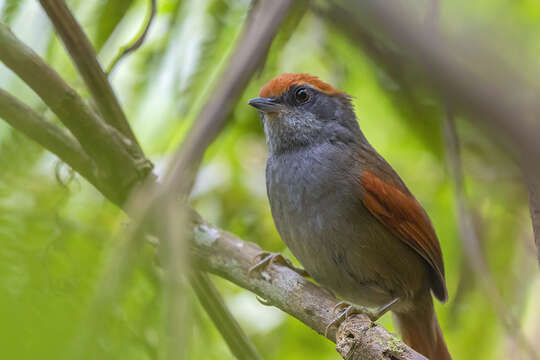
{"x": 301, "y": 95}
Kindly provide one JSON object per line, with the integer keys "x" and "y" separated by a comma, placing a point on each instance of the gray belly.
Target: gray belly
{"x": 321, "y": 218}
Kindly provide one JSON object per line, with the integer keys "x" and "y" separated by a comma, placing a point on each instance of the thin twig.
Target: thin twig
{"x": 241, "y": 348}
{"x": 471, "y": 243}
{"x": 81, "y": 51}
{"x": 110, "y": 15}
{"x": 48, "y": 135}
{"x": 138, "y": 40}
{"x": 172, "y": 230}
{"x": 533, "y": 187}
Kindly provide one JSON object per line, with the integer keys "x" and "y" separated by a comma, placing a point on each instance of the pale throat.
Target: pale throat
{"x": 288, "y": 130}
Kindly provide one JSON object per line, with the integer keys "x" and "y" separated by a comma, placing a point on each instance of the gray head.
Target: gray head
{"x": 299, "y": 110}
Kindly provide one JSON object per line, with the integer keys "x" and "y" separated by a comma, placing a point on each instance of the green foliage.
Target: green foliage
{"x": 9, "y": 10}
{"x": 108, "y": 16}
{"x": 56, "y": 233}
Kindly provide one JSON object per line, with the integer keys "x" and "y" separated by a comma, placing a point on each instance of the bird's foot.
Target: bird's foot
{"x": 268, "y": 258}
{"x": 345, "y": 310}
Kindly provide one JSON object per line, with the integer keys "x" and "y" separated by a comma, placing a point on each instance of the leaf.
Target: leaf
{"x": 10, "y": 10}
{"x": 109, "y": 15}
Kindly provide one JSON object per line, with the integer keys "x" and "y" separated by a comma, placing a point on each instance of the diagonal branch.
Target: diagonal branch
{"x": 207, "y": 294}
{"x": 226, "y": 255}
{"x": 451, "y": 70}
{"x": 169, "y": 224}
{"x": 101, "y": 142}
{"x": 81, "y": 51}
{"x": 408, "y": 94}
{"x": 262, "y": 26}
{"x": 48, "y": 135}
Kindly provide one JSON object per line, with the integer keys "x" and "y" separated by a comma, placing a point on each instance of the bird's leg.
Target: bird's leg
{"x": 349, "y": 310}
{"x": 268, "y": 258}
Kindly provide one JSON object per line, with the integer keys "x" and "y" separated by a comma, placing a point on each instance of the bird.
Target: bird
{"x": 345, "y": 213}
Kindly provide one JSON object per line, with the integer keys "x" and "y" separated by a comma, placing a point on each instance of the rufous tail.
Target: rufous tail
{"x": 421, "y": 331}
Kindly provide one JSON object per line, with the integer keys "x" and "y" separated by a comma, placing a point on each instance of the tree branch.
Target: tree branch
{"x": 81, "y": 51}
{"x": 533, "y": 187}
{"x": 226, "y": 255}
{"x": 453, "y": 68}
{"x": 48, "y": 135}
{"x": 207, "y": 294}
{"x": 257, "y": 35}
{"x": 101, "y": 142}
{"x": 249, "y": 54}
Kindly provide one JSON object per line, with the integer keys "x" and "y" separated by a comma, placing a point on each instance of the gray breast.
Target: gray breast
{"x": 306, "y": 194}
{"x": 317, "y": 210}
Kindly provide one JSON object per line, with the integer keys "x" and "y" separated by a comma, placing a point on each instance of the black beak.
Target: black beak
{"x": 265, "y": 104}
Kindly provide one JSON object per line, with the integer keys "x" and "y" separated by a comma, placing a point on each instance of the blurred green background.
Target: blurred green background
{"x": 56, "y": 230}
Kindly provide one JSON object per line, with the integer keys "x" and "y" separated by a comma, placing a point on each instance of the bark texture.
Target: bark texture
{"x": 230, "y": 257}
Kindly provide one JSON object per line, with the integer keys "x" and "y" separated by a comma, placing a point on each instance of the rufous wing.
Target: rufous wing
{"x": 401, "y": 213}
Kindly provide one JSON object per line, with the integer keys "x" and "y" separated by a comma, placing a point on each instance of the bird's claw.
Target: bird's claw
{"x": 271, "y": 258}
{"x": 373, "y": 315}
{"x": 349, "y": 310}
{"x": 346, "y": 313}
